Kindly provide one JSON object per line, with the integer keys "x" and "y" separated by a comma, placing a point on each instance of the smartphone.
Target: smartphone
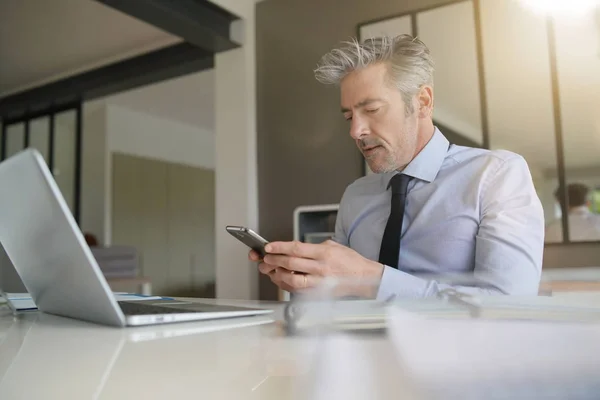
{"x": 249, "y": 238}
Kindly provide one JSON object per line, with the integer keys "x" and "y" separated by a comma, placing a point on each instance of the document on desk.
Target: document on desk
{"x": 478, "y": 358}
{"x": 533, "y": 308}
{"x": 22, "y": 302}
{"x": 372, "y": 315}
{"x": 341, "y": 315}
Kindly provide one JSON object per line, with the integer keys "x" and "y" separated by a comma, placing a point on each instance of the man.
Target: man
{"x": 431, "y": 208}
{"x": 583, "y": 225}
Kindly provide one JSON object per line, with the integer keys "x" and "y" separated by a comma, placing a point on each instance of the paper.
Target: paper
{"x": 541, "y": 308}
{"x": 20, "y": 301}
{"x": 473, "y": 359}
{"x": 341, "y": 315}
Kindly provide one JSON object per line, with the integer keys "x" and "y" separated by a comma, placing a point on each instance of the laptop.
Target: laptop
{"x": 49, "y": 252}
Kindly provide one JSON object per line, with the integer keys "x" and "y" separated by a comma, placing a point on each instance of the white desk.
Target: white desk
{"x": 48, "y": 357}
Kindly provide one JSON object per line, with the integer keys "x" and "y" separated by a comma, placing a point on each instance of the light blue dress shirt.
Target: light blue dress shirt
{"x": 470, "y": 213}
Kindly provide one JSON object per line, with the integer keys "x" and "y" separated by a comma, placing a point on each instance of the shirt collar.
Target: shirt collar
{"x": 426, "y": 165}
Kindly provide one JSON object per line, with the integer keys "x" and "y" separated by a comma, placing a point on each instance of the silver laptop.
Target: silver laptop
{"x": 49, "y": 252}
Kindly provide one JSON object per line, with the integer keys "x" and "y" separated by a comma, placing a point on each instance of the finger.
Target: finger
{"x": 296, "y": 249}
{"x": 298, "y": 264}
{"x": 276, "y": 279}
{"x": 297, "y": 281}
{"x": 265, "y": 268}
{"x": 253, "y": 256}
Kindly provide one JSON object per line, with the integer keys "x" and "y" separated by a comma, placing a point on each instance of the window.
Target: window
{"x": 56, "y": 134}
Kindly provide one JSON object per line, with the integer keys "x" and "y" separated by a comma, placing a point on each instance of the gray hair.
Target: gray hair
{"x": 410, "y": 65}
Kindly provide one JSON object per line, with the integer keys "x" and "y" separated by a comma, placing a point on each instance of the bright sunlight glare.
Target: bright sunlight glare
{"x": 565, "y": 8}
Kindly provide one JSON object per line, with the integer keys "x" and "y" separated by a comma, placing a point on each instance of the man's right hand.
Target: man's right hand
{"x": 276, "y": 273}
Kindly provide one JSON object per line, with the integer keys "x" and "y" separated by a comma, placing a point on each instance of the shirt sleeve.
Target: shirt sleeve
{"x": 508, "y": 247}
{"x": 340, "y": 235}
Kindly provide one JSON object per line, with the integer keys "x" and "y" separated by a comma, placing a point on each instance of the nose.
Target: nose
{"x": 358, "y": 127}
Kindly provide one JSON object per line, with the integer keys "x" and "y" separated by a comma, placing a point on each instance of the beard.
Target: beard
{"x": 382, "y": 157}
{"x": 377, "y": 155}
{"x": 382, "y": 162}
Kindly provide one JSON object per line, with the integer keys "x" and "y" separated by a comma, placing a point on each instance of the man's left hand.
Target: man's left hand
{"x": 296, "y": 266}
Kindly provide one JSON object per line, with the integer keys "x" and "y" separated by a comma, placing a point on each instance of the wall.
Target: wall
{"x": 144, "y": 135}
{"x": 166, "y": 211}
{"x": 573, "y": 255}
{"x": 109, "y": 129}
{"x": 236, "y": 169}
{"x": 160, "y": 159}
{"x": 305, "y": 155}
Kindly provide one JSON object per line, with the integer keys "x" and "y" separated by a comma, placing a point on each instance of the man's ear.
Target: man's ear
{"x": 425, "y": 102}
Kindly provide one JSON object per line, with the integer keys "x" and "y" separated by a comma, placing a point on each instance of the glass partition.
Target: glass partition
{"x": 56, "y": 134}
{"x": 449, "y": 32}
{"x": 15, "y": 139}
{"x": 39, "y": 136}
{"x": 577, "y": 47}
{"x": 65, "y": 125}
{"x": 520, "y": 78}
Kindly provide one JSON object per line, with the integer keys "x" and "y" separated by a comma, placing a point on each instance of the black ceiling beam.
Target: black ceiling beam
{"x": 199, "y": 22}
{"x": 158, "y": 65}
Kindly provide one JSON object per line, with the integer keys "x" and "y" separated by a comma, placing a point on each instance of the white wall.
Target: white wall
{"x": 236, "y": 169}
{"x": 144, "y": 135}
{"x": 109, "y": 129}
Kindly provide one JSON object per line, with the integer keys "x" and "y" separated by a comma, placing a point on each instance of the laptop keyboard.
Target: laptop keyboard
{"x": 135, "y": 308}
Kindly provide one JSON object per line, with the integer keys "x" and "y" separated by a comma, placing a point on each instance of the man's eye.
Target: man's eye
{"x": 348, "y": 118}
{"x": 373, "y": 110}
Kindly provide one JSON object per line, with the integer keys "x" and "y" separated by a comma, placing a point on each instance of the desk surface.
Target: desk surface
{"x": 48, "y": 357}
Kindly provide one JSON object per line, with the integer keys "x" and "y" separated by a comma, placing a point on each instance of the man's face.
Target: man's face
{"x": 385, "y": 135}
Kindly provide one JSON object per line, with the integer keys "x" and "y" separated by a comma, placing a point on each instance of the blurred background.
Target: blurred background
{"x": 161, "y": 127}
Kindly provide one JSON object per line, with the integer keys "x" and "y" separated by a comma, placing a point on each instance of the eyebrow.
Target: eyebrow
{"x": 362, "y": 104}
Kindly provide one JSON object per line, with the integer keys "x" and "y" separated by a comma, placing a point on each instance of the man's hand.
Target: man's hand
{"x": 294, "y": 266}
{"x": 274, "y": 272}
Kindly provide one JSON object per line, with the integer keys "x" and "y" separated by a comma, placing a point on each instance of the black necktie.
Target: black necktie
{"x": 390, "y": 244}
